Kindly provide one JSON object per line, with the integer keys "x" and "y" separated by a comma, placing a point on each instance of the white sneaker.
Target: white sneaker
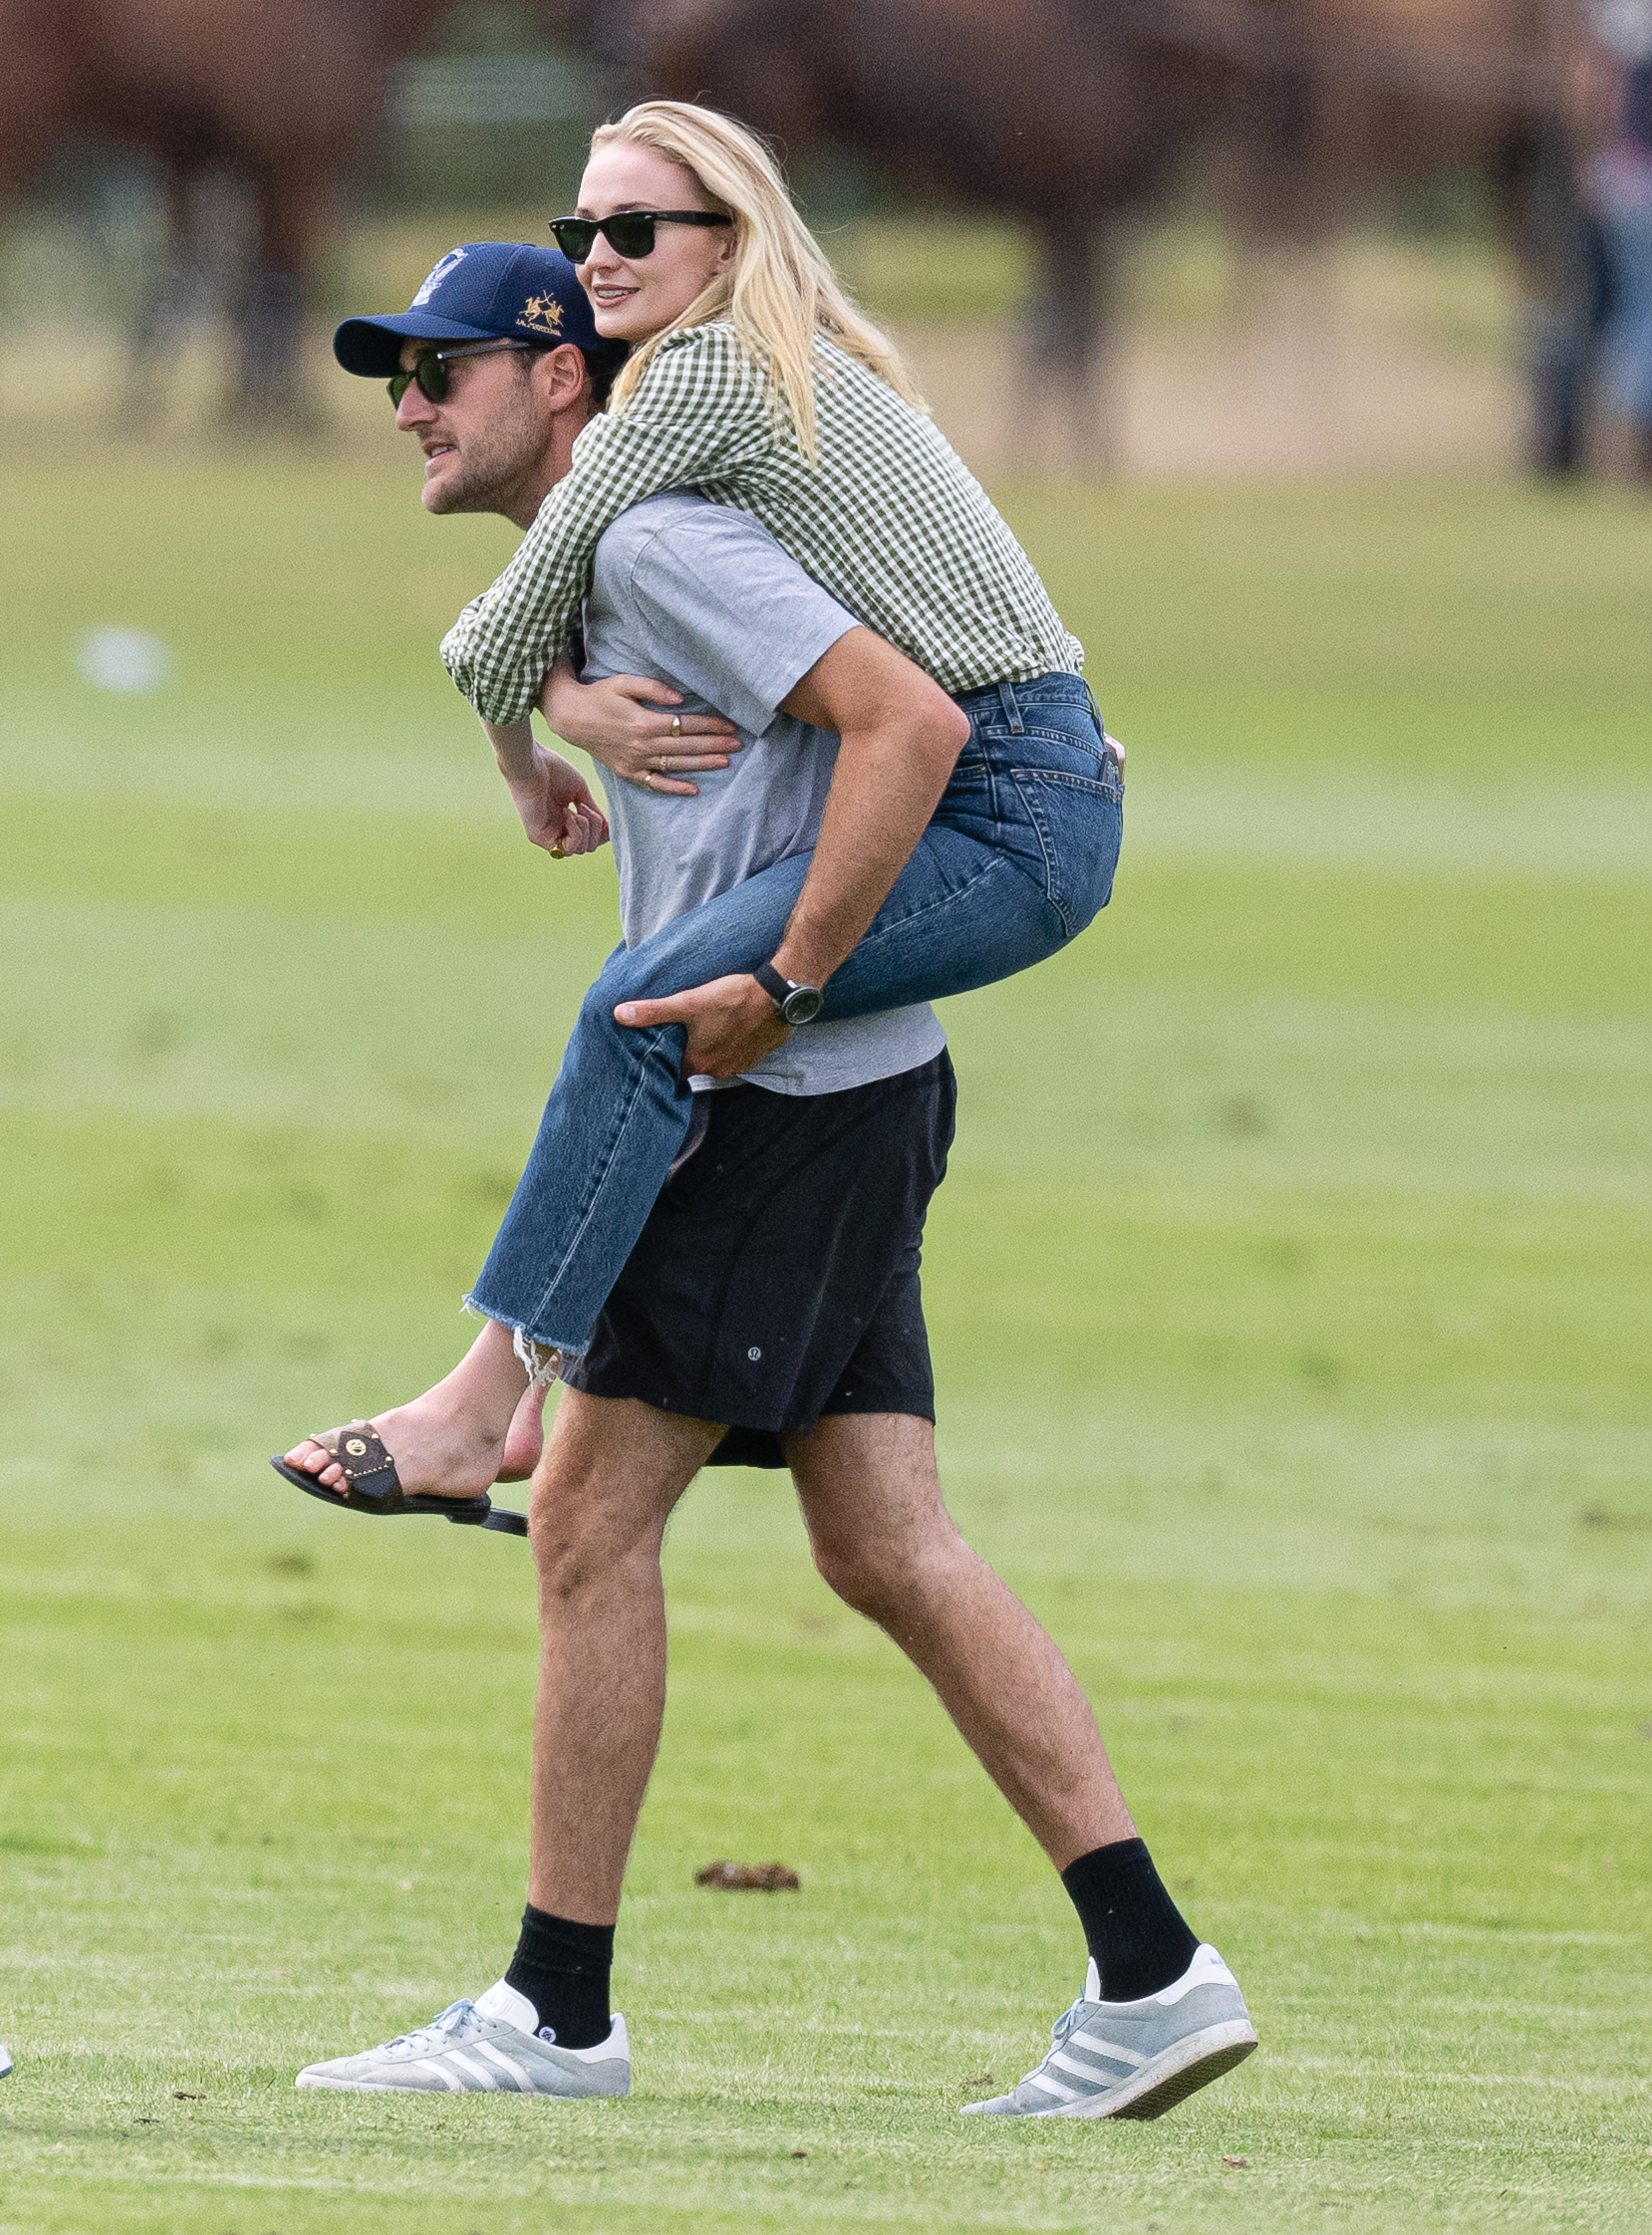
{"x": 1137, "y": 2059}
{"x": 486, "y": 2046}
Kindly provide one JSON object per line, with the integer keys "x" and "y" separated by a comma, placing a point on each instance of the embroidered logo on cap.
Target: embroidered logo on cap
{"x": 437, "y": 274}
{"x": 542, "y": 311}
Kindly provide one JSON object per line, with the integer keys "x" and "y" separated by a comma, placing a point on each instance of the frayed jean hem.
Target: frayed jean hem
{"x": 541, "y": 1359}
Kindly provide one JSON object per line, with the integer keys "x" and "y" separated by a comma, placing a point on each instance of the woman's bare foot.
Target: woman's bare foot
{"x": 453, "y": 1442}
{"x": 526, "y": 1439}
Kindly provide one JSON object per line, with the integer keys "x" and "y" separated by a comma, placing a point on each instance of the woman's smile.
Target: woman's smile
{"x": 631, "y": 300}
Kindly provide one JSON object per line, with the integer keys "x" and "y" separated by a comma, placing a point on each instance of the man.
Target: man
{"x": 771, "y": 1312}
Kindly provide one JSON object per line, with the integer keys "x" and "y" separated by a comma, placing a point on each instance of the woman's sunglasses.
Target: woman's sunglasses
{"x": 432, "y": 371}
{"x": 628, "y": 232}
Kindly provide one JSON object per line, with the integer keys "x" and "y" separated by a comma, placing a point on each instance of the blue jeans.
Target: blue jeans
{"x": 1628, "y": 367}
{"x": 1018, "y": 858}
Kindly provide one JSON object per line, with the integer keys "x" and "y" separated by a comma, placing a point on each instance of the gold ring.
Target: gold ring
{"x": 648, "y": 779}
{"x": 677, "y": 725}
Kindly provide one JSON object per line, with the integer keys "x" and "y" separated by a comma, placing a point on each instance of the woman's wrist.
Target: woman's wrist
{"x": 514, "y": 749}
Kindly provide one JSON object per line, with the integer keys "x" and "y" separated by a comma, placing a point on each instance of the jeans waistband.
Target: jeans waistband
{"x": 1003, "y": 702}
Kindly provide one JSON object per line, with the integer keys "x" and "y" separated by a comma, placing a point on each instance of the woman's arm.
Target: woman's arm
{"x": 701, "y": 413}
{"x": 552, "y": 798}
{"x": 626, "y": 723}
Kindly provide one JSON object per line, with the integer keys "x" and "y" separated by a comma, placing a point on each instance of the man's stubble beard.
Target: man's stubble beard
{"x": 487, "y": 471}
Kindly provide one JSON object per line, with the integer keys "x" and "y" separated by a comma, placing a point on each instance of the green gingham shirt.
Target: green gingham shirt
{"x": 891, "y": 522}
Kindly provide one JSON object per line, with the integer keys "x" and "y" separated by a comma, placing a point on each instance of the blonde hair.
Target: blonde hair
{"x": 780, "y": 291}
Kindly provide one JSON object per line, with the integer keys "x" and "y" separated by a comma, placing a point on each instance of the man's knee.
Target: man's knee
{"x": 573, "y": 1540}
{"x": 881, "y": 1575}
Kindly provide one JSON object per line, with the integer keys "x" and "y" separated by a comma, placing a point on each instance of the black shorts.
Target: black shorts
{"x": 776, "y": 1278}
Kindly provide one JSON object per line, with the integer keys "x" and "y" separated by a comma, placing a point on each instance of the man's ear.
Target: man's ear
{"x": 560, "y": 375}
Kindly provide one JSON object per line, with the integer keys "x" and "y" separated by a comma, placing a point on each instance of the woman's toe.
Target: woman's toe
{"x": 313, "y": 1457}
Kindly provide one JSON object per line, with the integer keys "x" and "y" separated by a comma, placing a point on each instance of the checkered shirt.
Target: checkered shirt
{"x": 891, "y": 522}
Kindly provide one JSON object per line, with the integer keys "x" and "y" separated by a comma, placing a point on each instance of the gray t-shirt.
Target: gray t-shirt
{"x": 701, "y": 596}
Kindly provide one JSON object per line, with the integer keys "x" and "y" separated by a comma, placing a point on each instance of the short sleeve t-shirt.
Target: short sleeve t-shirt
{"x": 699, "y": 596}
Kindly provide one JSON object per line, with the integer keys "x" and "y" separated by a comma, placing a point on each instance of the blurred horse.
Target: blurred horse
{"x": 1073, "y": 115}
{"x": 1068, "y": 115}
{"x": 283, "y": 98}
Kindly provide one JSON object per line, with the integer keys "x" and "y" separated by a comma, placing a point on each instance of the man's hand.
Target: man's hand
{"x": 552, "y": 798}
{"x": 731, "y": 1024}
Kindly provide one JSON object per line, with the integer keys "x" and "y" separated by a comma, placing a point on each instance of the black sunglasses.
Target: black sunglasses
{"x": 432, "y": 371}
{"x": 628, "y": 232}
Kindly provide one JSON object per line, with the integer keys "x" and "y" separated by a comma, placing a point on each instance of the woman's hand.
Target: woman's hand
{"x": 564, "y": 801}
{"x": 627, "y": 722}
{"x": 552, "y": 798}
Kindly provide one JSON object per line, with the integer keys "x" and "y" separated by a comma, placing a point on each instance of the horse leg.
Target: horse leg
{"x": 271, "y": 388}
{"x": 165, "y": 303}
{"x": 1065, "y": 388}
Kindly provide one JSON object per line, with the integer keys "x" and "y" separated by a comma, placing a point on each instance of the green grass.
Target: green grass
{"x": 1291, "y": 1300}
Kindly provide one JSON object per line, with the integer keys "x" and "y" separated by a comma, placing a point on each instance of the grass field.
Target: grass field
{"x": 1291, "y": 1294}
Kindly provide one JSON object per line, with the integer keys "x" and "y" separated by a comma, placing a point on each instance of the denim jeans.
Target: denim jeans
{"x": 1627, "y": 366}
{"x": 1016, "y": 859}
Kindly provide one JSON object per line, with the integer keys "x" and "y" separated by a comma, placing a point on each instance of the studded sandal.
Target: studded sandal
{"x": 372, "y": 1486}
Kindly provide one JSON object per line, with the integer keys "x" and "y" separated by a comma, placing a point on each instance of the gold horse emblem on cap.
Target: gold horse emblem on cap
{"x": 543, "y": 311}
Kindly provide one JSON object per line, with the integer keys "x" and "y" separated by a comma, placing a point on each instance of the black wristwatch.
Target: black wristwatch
{"x": 795, "y": 1004}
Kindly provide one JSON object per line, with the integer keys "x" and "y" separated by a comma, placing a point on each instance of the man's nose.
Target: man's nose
{"x": 415, "y": 410}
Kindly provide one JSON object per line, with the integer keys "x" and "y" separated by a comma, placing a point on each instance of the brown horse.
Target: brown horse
{"x": 283, "y": 98}
{"x": 1074, "y": 114}
{"x": 1069, "y": 114}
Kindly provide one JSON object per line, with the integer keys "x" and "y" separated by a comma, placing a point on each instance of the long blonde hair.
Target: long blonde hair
{"x": 780, "y": 291}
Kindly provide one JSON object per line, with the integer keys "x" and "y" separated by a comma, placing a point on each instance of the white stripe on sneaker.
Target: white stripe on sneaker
{"x": 429, "y": 2064}
{"x": 518, "y": 2071}
{"x": 1059, "y": 2089}
{"x": 1093, "y": 2073}
{"x": 1120, "y": 2055}
{"x": 478, "y": 2072}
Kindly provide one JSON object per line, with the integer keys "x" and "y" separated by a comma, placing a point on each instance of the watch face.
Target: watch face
{"x": 803, "y": 1005}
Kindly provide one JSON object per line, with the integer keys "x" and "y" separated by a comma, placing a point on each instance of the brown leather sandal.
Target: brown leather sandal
{"x": 372, "y": 1486}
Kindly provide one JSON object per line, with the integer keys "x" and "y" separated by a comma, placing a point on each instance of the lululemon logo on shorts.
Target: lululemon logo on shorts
{"x": 754, "y": 1354}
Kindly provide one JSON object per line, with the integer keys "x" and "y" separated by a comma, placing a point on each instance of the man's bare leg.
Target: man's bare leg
{"x": 612, "y": 1472}
{"x": 480, "y": 1424}
{"x": 884, "y": 1540}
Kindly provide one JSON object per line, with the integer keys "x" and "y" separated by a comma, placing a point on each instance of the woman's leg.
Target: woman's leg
{"x": 1018, "y": 859}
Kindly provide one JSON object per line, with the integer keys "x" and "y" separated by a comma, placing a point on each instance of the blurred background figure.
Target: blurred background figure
{"x": 1618, "y": 177}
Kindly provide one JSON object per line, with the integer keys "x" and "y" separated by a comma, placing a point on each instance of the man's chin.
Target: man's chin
{"x": 444, "y": 490}
{"x": 449, "y": 487}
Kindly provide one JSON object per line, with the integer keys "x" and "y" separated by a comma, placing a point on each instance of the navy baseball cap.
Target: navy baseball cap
{"x": 487, "y": 291}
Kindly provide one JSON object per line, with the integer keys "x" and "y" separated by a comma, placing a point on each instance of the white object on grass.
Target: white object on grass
{"x": 5, "y": 2059}
{"x": 122, "y": 659}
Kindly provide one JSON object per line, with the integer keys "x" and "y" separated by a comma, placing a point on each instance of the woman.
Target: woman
{"x": 753, "y": 380}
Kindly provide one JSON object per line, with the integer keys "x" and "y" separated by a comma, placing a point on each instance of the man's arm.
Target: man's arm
{"x": 900, "y": 736}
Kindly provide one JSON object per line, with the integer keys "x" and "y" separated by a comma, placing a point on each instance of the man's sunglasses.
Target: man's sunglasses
{"x": 628, "y": 232}
{"x": 432, "y": 371}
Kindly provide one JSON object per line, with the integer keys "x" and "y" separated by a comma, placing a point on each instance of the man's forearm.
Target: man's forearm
{"x": 884, "y": 790}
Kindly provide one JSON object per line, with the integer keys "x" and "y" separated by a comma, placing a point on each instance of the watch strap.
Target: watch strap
{"x": 777, "y": 988}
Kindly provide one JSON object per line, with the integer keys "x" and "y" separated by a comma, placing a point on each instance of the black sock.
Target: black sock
{"x": 1136, "y": 1934}
{"x": 563, "y": 1969}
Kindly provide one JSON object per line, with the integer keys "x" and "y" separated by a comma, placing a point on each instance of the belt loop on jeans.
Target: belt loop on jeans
{"x": 1011, "y": 706}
